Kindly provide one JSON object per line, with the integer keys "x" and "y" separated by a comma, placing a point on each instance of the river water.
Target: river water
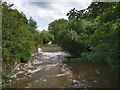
{"x": 53, "y": 69}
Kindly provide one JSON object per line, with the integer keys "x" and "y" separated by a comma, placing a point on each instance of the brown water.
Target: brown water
{"x": 50, "y": 69}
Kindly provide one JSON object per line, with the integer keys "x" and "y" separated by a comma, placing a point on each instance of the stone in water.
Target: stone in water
{"x": 39, "y": 50}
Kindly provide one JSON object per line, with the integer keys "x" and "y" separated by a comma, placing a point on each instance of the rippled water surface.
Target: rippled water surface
{"x": 51, "y": 69}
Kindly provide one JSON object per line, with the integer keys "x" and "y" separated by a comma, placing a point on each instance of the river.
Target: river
{"x": 53, "y": 69}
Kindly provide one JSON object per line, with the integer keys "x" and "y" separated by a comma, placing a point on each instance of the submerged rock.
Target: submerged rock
{"x": 95, "y": 81}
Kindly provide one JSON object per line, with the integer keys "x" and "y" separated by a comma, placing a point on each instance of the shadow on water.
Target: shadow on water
{"x": 50, "y": 69}
{"x": 94, "y": 75}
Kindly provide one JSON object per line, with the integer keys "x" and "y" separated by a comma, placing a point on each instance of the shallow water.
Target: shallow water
{"x": 51, "y": 69}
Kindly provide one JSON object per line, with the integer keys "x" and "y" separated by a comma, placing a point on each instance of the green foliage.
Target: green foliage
{"x": 66, "y": 34}
{"x": 67, "y": 39}
{"x": 7, "y": 79}
{"x": 19, "y": 39}
{"x": 74, "y": 14}
{"x": 91, "y": 34}
{"x": 32, "y": 25}
{"x": 46, "y": 36}
{"x": 76, "y": 25}
{"x": 104, "y": 41}
{"x": 56, "y": 26}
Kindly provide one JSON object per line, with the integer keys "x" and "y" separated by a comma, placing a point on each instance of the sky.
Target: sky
{"x": 46, "y": 11}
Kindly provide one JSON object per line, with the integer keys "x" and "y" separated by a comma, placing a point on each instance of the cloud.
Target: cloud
{"x": 45, "y": 5}
{"x": 45, "y": 12}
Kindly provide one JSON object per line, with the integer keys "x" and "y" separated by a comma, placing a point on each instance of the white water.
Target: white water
{"x": 50, "y": 59}
{"x": 40, "y": 50}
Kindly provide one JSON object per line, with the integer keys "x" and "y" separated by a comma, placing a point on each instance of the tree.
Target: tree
{"x": 19, "y": 39}
{"x": 56, "y": 26}
{"x": 46, "y": 36}
{"x": 74, "y": 14}
{"x": 32, "y": 25}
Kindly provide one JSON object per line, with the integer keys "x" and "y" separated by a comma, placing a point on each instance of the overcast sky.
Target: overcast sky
{"x": 46, "y": 11}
